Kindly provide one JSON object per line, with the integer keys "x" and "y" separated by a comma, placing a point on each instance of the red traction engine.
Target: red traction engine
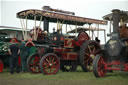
{"x": 114, "y": 54}
{"x": 65, "y": 55}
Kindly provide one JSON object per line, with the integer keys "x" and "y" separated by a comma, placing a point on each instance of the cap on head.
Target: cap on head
{"x": 13, "y": 40}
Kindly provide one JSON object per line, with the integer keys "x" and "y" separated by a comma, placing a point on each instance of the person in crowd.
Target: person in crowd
{"x": 13, "y": 59}
{"x": 24, "y": 55}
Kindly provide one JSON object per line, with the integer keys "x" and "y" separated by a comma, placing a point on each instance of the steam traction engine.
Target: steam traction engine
{"x": 56, "y": 51}
{"x": 66, "y": 55}
{"x": 71, "y": 54}
{"x": 114, "y": 54}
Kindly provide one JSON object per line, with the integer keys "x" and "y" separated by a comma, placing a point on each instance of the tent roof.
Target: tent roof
{"x": 57, "y": 16}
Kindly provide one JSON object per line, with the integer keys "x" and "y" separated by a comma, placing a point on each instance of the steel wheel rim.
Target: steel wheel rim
{"x": 50, "y": 65}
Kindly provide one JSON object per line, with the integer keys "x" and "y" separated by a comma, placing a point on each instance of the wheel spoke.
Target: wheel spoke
{"x": 101, "y": 64}
{"x": 86, "y": 60}
{"x": 89, "y": 49}
{"x": 89, "y": 66}
{"x": 54, "y": 66}
{"x": 47, "y": 60}
{"x": 46, "y": 66}
{"x": 50, "y": 70}
{"x": 46, "y": 63}
{"x": 94, "y": 49}
{"x": 52, "y": 60}
{"x": 33, "y": 69}
{"x": 87, "y": 54}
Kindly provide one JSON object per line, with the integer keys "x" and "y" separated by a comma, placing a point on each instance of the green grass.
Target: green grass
{"x": 63, "y": 78}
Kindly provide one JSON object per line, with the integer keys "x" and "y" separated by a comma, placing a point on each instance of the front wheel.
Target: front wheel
{"x": 33, "y": 63}
{"x": 99, "y": 66}
{"x": 50, "y": 64}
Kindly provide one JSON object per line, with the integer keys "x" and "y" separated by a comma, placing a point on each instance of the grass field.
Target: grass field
{"x": 63, "y": 78}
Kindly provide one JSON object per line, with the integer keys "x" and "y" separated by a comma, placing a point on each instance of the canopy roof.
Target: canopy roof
{"x": 85, "y": 29}
{"x": 123, "y": 14}
{"x": 56, "y": 16}
{"x": 8, "y": 28}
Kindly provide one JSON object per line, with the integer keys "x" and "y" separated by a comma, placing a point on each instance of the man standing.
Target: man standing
{"x": 13, "y": 60}
{"x": 24, "y": 55}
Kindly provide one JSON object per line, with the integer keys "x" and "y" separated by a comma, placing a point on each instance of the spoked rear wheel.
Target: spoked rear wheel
{"x": 33, "y": 63}
{"x": 87, "y": 53}
{"x": 99, "y": 66}
{"x": 50, "y": 64}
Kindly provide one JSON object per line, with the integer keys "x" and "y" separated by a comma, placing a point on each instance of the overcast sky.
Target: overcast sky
{"x": 84, "y": 8}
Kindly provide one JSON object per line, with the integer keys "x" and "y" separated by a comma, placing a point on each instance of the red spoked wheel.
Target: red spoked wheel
{"x": 87, "y": 52}
{"x": 33, "y": 63}
{"x": 99, "y": 66}
{"x": 50, "y": 64}
{"x": 1, "y": 66}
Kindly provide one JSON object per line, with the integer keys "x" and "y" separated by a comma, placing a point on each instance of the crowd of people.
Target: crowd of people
{"x": 16, "y": 50}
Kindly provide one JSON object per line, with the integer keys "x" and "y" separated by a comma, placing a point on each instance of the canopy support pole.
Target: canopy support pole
{"x": 61, "y": 26}
{"x": 22, "y": 28}
{"x": 89, "y": 28}
{"x": 98, "y": 31}
{"x": 66, "y": 28}
{"x": 110, "y": 28}
{"x": 57, "y": 25}
{"x": 26, "y": 29}
{"x": 35, "y": 29}
{"x": 105, "y": 36}
{"x": 39, "y": 27}
{"x": 76, "y": 29}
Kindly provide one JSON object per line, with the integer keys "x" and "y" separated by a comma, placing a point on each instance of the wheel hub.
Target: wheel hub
{"x": 92, "y": 56}
{"x": 50, "y": 64}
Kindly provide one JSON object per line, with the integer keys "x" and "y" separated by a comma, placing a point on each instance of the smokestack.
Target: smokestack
{"x": 46, "y": 24}
{"x": 57, "y": 10}
{"x": 116, "y": 20}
